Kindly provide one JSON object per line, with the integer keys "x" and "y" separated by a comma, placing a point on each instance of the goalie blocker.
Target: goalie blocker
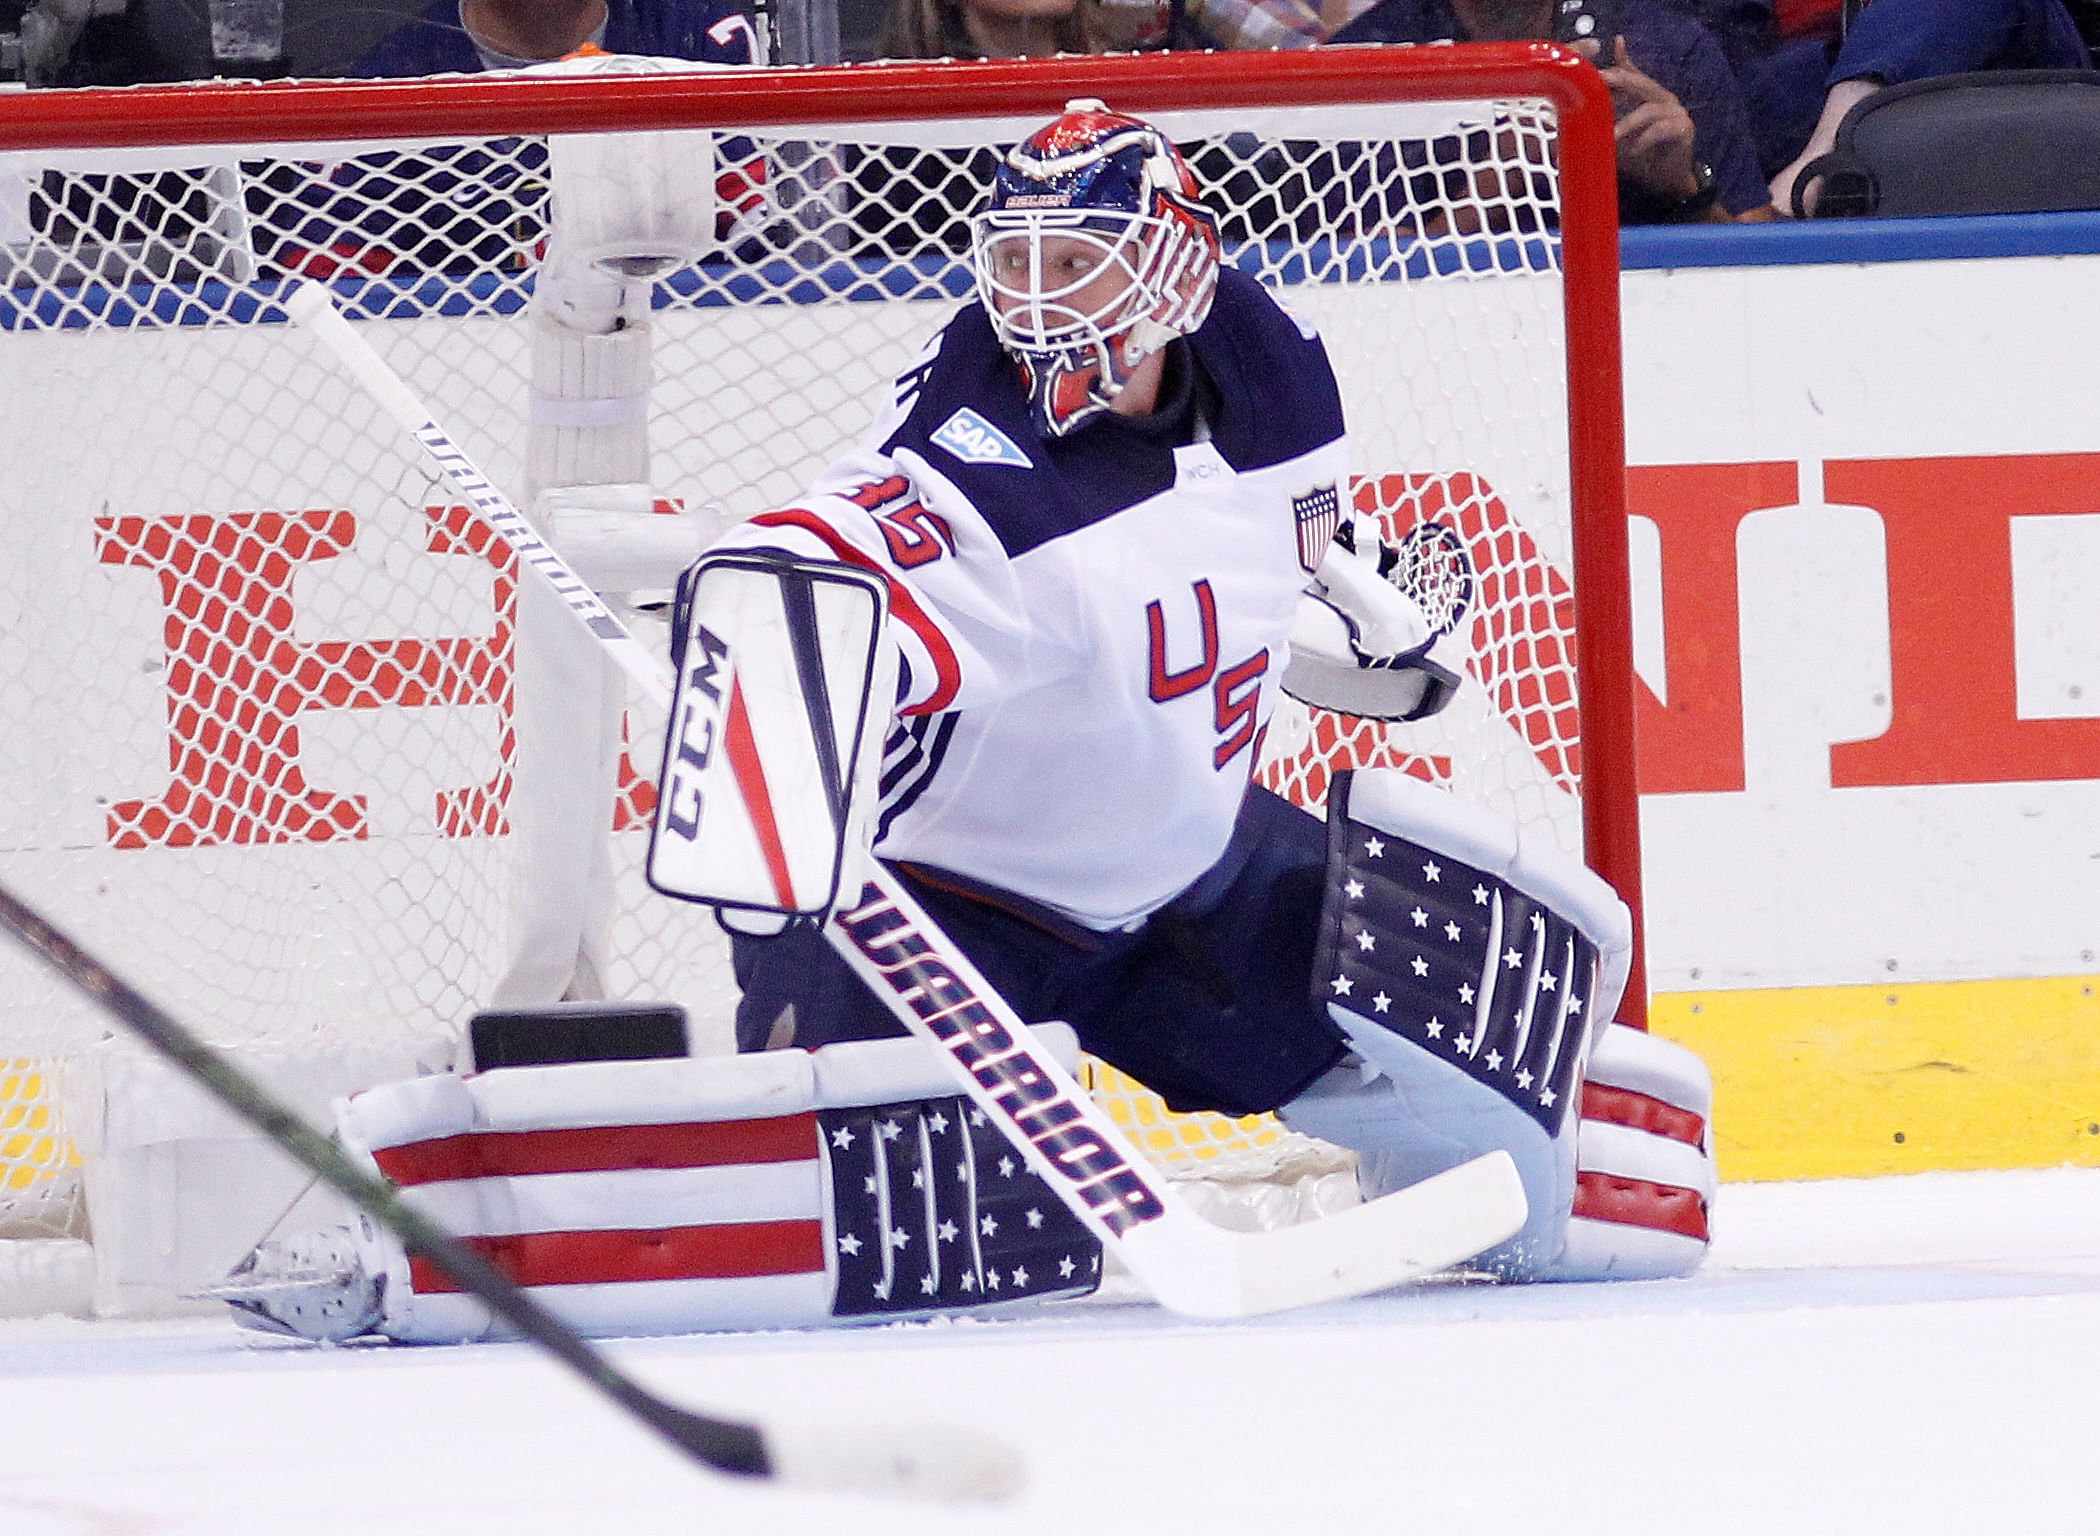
{"x": 773, "y": 739}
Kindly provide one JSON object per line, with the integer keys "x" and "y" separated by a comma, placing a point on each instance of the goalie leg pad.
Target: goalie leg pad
{"x": 1469, "y": 968}
{"x": 784, "y": 1189}
{"x": 1645, "y": 1177}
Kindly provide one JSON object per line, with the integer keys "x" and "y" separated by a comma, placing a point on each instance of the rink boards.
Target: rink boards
{"x": 1866, "y": 493}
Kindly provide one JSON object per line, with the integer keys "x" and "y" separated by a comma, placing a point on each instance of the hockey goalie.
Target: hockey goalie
{"x": 1104, "y": 519}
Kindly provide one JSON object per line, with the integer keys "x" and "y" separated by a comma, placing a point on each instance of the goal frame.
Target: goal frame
{"x": 222, "y": 113}
{"x": 1558, "y": 418}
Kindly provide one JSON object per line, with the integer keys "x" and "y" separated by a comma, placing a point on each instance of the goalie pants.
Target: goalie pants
{"x": 1209, "y": 1003}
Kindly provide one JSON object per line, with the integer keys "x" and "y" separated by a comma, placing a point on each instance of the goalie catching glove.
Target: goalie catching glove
{"x": 1475, "y": 971}
{"x": 1377, "y": 633}
{"x": 778, "y": 1190}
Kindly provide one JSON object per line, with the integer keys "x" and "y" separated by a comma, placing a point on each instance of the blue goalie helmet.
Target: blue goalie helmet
{"x": 1094, "y": 252}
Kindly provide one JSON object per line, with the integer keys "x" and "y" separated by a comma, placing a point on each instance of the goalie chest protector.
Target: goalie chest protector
{"x": 1092, "y": 628}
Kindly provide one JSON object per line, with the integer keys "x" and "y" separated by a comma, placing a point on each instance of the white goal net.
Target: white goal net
{"x": 258, "y": 666}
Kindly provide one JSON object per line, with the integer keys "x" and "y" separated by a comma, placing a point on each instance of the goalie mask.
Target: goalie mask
{"x": 1095, "y": 252}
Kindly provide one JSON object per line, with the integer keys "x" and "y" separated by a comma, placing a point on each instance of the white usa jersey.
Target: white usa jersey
{"x": 1092, "y": 628}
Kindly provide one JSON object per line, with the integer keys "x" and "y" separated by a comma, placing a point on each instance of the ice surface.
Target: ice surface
{"x": 1898, "y": 1355}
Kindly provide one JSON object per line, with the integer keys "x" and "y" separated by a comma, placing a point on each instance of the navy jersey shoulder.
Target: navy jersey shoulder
{"x": 970, "y": 419}
{"x": 1278, "y": 398}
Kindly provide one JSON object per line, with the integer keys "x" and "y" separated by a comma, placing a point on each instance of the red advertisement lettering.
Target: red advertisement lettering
{"x": 238, "y": 683}
{"x": 1948, "y": 523}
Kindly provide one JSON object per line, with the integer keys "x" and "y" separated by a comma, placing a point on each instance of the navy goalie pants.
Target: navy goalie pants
{"x": 1209, "y": 1004}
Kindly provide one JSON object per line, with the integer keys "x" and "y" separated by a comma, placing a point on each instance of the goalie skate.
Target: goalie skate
{"x": 310, "y": 1285}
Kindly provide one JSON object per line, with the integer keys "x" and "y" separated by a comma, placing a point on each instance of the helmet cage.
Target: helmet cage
{"x": 1079, "y": 338}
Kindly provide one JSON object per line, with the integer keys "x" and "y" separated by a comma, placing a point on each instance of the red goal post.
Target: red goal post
{"x": 241, "y": 836}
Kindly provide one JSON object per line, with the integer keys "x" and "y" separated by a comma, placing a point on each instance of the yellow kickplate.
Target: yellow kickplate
{"x": 1183, "y": 1143}
{"x": 30, "y": 1147}
{"x": 1842, "y": 1082}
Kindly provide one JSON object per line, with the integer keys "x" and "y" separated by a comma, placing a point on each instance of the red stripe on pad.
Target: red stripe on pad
{"x": 730, "y": 1251}
{"x": 601, "y": 1149}
{"x": 1640, "y": 1203}
{"x": 1641, "y": 1112}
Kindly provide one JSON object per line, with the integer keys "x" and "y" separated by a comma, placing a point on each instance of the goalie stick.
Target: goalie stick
{"x": 1188, "y": 1264}
{"x": 930, "y": 1462}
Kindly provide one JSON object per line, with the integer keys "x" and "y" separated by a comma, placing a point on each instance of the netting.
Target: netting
{"x": 258, "y": 667}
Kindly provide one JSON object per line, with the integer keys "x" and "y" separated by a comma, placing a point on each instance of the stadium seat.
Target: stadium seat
{"x": 1998, "y": 141}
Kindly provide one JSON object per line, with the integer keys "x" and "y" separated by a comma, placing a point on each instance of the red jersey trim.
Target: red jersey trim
{"x": 947, "y": 670}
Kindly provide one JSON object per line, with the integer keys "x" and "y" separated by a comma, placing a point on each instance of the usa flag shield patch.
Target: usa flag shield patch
{"x": 1319, "y": 512}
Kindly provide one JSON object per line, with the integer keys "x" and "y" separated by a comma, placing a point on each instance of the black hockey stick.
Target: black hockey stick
{"x": 927, "y": 1462}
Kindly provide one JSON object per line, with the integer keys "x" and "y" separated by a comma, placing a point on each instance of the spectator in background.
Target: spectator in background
{"x": 462, "y": 207}
{"x": 1267, "y": 23}
{"x": 914, "y": 202}
{"x": 990, "y": 29}
{"x": 1808, "y": 85}
{"x": 466, "y": 36}
{"x": 1015, "y": 29}
{"x": 1685, "y": 152}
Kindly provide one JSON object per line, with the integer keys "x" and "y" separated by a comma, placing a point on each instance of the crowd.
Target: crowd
{"x": 1722, "y": 103}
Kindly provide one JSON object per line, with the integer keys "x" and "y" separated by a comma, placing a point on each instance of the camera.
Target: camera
{"x": 1580, "y": 21}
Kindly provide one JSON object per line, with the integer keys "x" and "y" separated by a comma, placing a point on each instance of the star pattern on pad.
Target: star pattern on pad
{"x": 1464, "y": 964}
{"x": 994, "y": 1230}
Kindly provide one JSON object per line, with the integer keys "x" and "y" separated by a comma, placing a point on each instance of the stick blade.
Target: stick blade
{"x": 944, "y": 1465}
{"x": 1430, "y": 1226}
{"x": 1201, "y": 1271}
